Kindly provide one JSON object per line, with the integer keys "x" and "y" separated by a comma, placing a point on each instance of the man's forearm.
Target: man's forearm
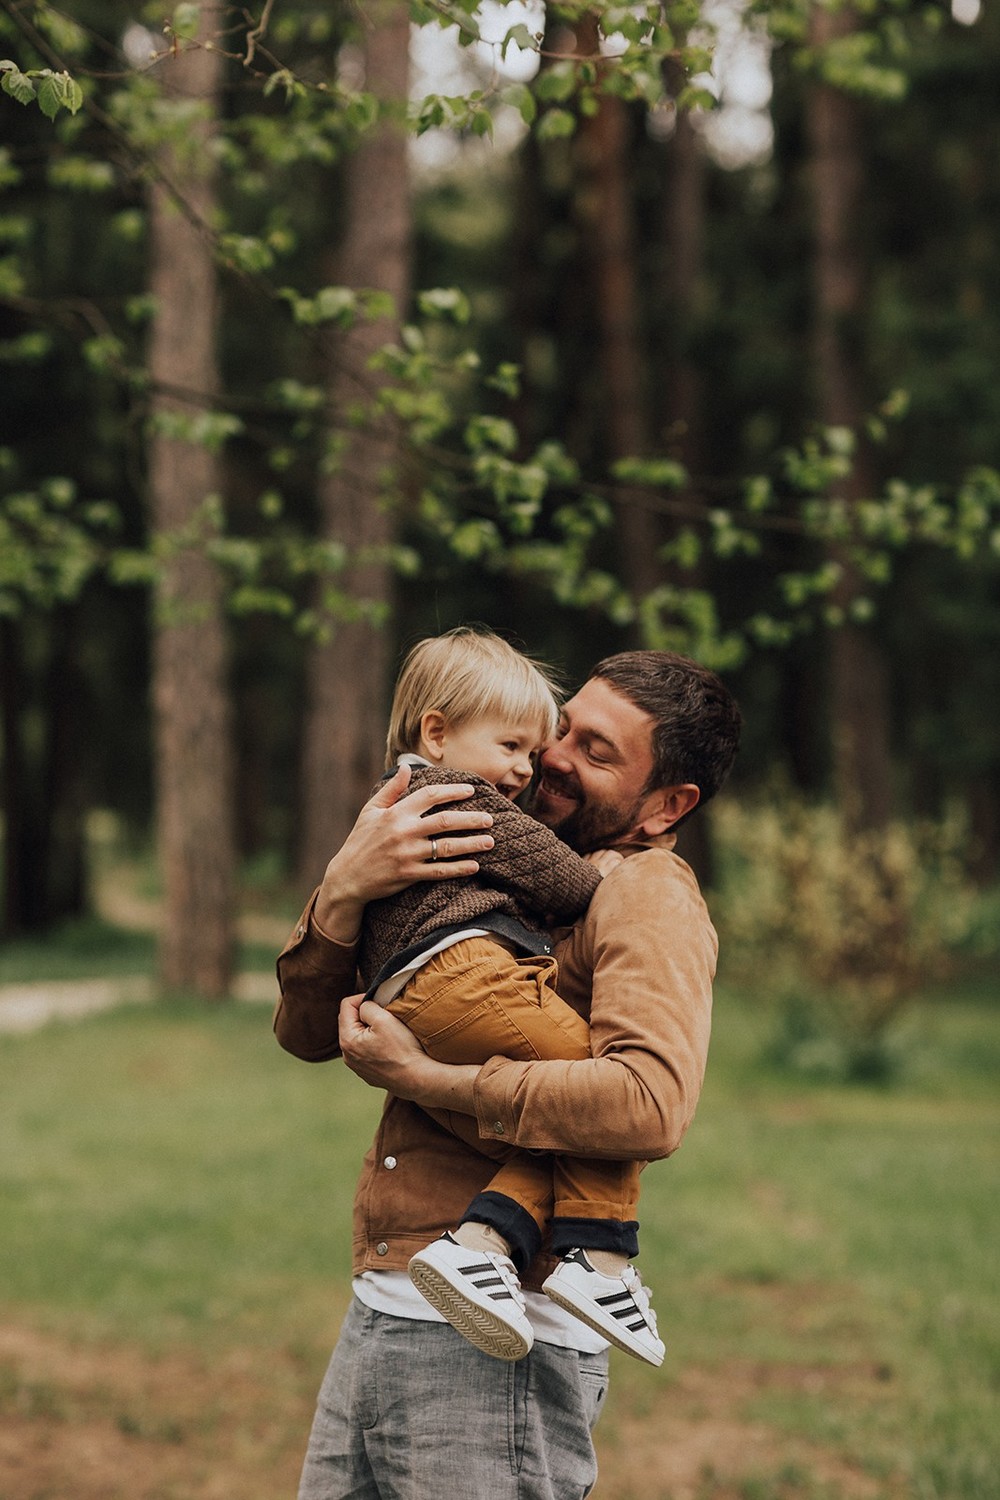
{"x": 450, "y": 1086}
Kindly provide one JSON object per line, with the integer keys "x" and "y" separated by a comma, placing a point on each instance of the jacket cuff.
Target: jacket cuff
{"x": 325, "y": 954}
{"x": 496, "y": 1117}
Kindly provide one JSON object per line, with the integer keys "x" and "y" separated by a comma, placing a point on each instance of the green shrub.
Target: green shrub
{"x": 837, "y": 931}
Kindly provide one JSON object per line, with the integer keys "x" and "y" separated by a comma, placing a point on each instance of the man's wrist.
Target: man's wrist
{"x": 437, "y": 1085}
{"x": 337, "y": 918}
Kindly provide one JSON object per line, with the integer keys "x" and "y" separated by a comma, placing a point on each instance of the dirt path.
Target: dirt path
{"x": 25, "y": 1007}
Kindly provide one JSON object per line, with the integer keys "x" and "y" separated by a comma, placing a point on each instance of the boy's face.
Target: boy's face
{"x": 593, "y": 776}
{"x": 496, "y": 749}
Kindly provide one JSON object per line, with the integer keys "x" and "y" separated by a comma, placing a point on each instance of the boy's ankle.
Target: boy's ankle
{"x": 481, "y": 1237}
{"x": 608, "y": 1262}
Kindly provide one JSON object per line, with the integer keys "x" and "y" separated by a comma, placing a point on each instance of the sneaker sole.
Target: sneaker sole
{"x": 617, "y": 1336}
{"x": 489, "y": 1333}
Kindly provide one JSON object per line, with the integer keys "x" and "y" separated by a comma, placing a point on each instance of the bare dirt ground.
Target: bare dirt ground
{"x": 90, "y": 1423}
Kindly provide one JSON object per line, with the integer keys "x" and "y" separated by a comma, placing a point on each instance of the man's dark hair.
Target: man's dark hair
{"x": 696, "y": 728}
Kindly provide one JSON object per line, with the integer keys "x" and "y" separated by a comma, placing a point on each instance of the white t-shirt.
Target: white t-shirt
{"x": 393, "y": 1292}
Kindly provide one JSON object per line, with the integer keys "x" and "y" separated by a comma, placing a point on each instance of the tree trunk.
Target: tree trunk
{"x": 858, "y": 674}
{"x": 684, "y": 246}
{"x": 604, "y": 200}
{"x": 683, "y": 233}
{"x": 349, "y": 674}
{"x": 192, "y": 746}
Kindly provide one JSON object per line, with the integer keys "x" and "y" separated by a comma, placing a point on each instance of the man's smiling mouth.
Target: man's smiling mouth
{"x": 557, "y": 791}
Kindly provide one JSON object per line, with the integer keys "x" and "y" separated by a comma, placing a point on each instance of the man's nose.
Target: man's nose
{"x": 555, "y": 758}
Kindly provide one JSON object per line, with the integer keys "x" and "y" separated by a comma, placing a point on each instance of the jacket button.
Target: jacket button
{"x": 498, "y": 1127}
{"x": 300, "y": 932}
{"x": 389, "y": 1162}
{"x": 381, "y": 1248}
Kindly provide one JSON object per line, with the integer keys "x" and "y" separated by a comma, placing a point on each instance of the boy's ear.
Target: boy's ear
{"x": 432, "y": 732}
{"x": 667, "y": 806}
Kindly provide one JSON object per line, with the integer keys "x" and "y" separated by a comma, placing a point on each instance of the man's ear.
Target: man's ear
{"x": 432, "y": 733}
{"x": 667, "y": 806}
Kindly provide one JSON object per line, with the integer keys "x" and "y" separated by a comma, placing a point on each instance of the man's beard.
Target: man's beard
{"x": 591, "y": 825}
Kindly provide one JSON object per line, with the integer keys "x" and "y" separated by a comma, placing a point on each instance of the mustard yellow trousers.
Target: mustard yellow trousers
{"x": 475, "y": 1001}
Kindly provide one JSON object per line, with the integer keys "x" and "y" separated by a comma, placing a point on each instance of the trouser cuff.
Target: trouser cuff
{"x": 508, "y": 1218}
{"x": 619, "y": 1235}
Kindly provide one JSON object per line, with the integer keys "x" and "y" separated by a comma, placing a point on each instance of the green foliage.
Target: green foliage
{"x": 837, "y": 932}
{"x": 757, "y": 536}
{"x": 51, "y": 91}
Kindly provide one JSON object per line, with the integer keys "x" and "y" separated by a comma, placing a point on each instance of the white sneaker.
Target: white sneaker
{"x": 479, "y": 1294}
{"x": 616, "y": 1306}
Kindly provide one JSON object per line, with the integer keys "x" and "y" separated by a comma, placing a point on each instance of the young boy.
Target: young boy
{"x": 464, "y": 965}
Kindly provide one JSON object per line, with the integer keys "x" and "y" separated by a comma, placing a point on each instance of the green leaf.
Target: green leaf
{"x": 558, "y": 83}
{"x": 520, "y": 97}
{"x": 483, "y": 432}
{"x": 556, "y": 124}
{"x": 17, "y": 84}
{"x": 519, "y": 36}
{"x": 186, "y": 20}
{"x": 441, "y": 302}
{"x": 58, "y": 91}
{"x": 81, "y": 174}
{"x": 662, "y": 472}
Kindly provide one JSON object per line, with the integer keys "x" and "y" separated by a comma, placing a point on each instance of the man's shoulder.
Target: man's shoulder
{"x": 647, "y": 878}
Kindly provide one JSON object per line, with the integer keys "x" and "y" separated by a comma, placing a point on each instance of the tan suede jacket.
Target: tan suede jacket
{"x": 639, "y": 964}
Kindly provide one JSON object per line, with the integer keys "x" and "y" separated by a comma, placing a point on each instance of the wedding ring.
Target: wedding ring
{"x": 434, "y": 850}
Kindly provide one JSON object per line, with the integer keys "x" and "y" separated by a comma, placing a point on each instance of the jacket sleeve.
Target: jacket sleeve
{"x": 314, "y": 975}
{"x": 649, "y": 944}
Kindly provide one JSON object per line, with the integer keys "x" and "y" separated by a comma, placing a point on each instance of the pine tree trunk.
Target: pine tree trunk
{"x": 683, "y": 233}
{"x": 605, "y": 211}
{"x": 858, "y": 674}
{"x": 684, "y": 246}
{"x": 349, "y": 675}
{"x": 192, "y": 747}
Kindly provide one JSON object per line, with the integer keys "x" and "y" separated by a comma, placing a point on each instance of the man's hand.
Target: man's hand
{"x": 385, "y": 1054}
{"x": 390, "y": 846}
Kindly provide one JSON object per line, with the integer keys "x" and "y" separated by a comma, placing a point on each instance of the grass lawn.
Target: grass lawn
{"x": 175, "y": 1200}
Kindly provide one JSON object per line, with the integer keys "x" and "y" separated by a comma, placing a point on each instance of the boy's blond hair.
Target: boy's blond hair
{"x": 468, "y": 674}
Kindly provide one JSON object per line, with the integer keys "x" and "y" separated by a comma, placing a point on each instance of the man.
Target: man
{"x": 408, "y": 1410}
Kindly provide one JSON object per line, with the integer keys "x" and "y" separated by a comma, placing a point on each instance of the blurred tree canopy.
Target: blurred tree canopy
{"x": 668, "y": 324}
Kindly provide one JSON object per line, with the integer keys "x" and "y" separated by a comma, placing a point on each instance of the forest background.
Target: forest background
{"x": 323, "y": 327}
{"x": 326, "y": 327}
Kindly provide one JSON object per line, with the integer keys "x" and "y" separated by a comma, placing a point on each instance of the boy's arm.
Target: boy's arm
{"x": 527, "y": 859}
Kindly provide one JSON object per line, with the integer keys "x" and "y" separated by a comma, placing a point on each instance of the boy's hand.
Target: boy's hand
{"x": 392, "y": 844}
{"x": 604, "y": 860}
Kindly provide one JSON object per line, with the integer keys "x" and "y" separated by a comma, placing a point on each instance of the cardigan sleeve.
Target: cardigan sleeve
{"x": 537, "y": 868}
{"x": 527, "y": 860}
